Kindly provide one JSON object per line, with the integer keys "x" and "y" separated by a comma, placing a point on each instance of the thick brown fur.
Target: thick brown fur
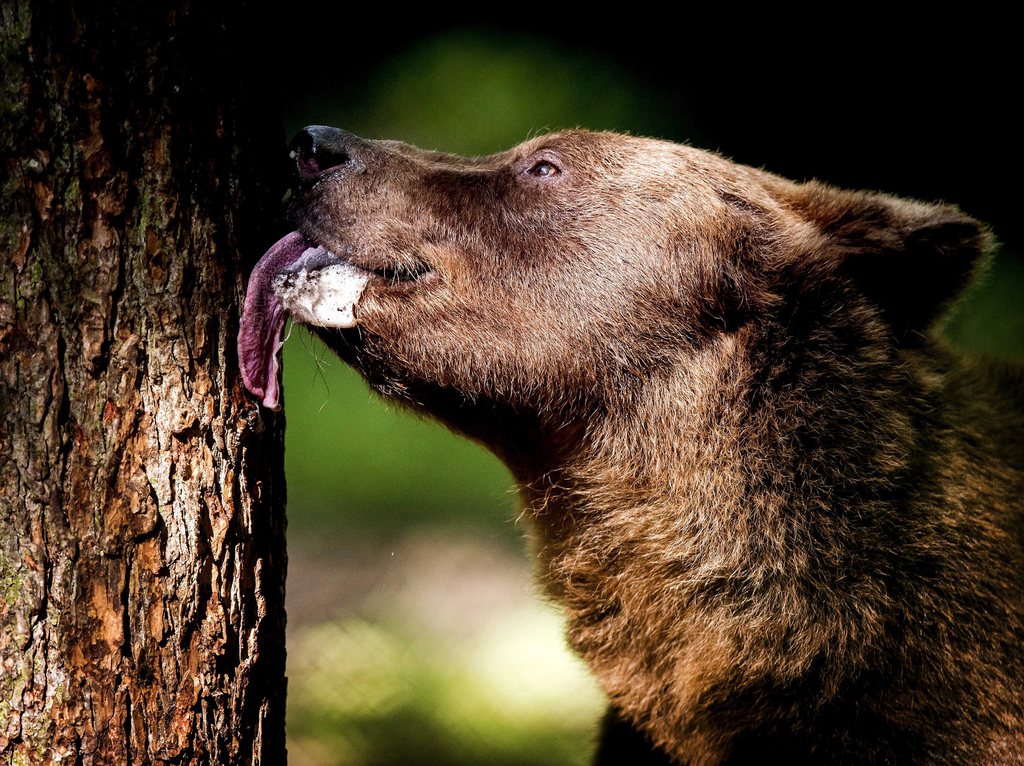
{"x": 783, "y": 519}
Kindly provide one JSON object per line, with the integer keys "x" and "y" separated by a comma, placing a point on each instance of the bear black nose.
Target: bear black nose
{"x": 319, "y": 149}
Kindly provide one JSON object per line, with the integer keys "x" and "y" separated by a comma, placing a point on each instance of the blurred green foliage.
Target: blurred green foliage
{"x": 475, "y": 92}
{"x": 359, "y": 464}
{"x": 990, "y": 319}
{"x": 378, "y": 693}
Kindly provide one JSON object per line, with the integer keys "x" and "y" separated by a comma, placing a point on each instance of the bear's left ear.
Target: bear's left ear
{"x": 911, "y": 259}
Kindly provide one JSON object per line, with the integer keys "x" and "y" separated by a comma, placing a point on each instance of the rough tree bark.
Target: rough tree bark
{"x": 141, "y": 492}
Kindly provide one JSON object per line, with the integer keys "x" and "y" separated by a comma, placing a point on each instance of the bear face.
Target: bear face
{"x": 522, "y": 240}
{"x": 776, "y": 512}
{"x": 553, "y": 279}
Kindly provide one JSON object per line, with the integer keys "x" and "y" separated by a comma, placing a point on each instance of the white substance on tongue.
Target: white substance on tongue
{"x": 324, "y": 296}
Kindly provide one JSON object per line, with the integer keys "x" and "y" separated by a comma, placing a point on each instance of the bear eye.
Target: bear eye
{"x": 544, "y": 169}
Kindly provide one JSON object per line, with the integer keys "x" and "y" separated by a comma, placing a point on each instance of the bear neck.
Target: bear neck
{"x": 700, "y": 528}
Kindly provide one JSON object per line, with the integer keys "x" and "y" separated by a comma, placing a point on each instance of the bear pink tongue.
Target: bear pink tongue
{"x": 263, "y": 318}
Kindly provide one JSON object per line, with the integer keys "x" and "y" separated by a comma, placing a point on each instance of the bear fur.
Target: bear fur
{"x": 783, "y": 518}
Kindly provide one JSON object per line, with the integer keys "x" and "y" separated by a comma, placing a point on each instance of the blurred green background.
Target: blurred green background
{"x": 414, "y": 635}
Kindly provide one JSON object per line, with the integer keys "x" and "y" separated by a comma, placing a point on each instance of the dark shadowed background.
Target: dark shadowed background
{"x": 414, "y": 635}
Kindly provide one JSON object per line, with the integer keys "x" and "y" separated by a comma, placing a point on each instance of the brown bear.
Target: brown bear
{"x": 784, "y": 519}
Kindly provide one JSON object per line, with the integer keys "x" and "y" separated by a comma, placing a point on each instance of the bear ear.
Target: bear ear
{"x": 912, "y": 259}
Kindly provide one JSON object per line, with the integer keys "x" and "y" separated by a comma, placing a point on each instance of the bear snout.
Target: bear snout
{"x": 319, "y": 150}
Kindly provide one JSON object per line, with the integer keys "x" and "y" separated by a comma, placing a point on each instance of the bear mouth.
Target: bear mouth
{"x": 299, "y": 278}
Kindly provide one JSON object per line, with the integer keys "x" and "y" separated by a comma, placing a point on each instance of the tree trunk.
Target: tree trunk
{"x": 141, "y": 492}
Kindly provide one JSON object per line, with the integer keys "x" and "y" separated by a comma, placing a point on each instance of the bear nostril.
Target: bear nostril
{"x": 327, "y": 158}
{"x": 317, "y": 150}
